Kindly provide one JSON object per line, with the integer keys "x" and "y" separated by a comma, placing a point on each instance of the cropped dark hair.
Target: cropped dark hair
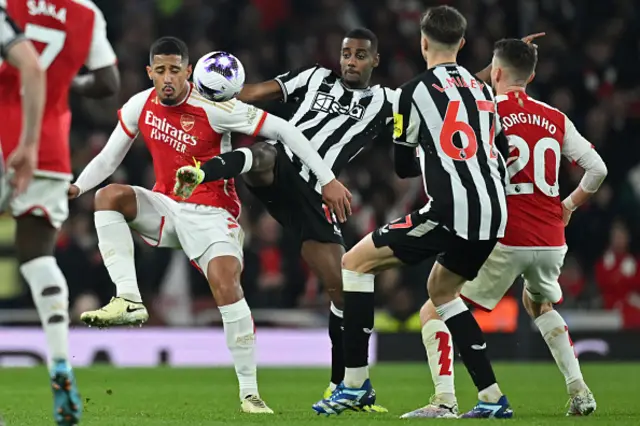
{"x": 443, "y": 24}
{"x": 518, "y": 55}
{"x": 364, "y": 34}
{"x": 169, "y": 46}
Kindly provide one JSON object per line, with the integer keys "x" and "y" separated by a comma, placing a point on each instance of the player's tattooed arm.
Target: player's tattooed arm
{"x": 405, "y": 161}
{"x": 99, "y": 83}
{"x": 485, "y": 74}
{"x": 260, "y": 92}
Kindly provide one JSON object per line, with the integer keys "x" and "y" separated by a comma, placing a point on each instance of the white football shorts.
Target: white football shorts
{"x": 44, "y": 197}
{"x": 540, "y": 268}
{"x": 202, "y": 232}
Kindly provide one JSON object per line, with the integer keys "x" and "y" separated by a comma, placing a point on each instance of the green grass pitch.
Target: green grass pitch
{"x": 207, "y": 397}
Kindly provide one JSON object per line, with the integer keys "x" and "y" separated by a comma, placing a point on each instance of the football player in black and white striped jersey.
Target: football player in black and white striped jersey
{"x": 339, "y": 115}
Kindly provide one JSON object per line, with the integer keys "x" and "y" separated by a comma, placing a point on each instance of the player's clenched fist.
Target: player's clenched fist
{"x": 338, "y": 199}
{"x": 187, "y": 180}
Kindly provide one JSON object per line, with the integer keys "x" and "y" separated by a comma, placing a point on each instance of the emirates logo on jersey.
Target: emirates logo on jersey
{"x": 187, "y": 122}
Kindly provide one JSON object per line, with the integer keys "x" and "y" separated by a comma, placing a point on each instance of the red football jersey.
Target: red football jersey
{"x": 538, "y": 135}
{"x": 68, "y": 34}
{"x": 194, "y": 130}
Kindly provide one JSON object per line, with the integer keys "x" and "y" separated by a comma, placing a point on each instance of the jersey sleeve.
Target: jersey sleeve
{"x": 10, "y": 33}
{"x": 574, "y": 145}
{"x": 129, "y": 114}
{"x": 101, "y": 53}
{"x": 235, "y": 116}
{"x": 406, "y": 122}
{"x": 297, "y": 81}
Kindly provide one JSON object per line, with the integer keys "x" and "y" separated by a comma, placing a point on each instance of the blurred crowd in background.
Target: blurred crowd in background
{"x": 587, "y": 68}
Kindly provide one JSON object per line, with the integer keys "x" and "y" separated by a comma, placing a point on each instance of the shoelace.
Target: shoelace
{"x": 256, "y": 401}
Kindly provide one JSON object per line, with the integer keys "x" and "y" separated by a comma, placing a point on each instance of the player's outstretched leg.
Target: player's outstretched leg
{"x": 35, "y": 242}
{"x": 223, "y": 274}
{"x": 115, "y": 206}
{"x": 438, "y": 343}
{"x": 324, "y": 259}
{"x": 555, "y": 332}
{"x": 444, "y": 287}
{"x": 257, "y": 162}
{"x": 358, "y": 268}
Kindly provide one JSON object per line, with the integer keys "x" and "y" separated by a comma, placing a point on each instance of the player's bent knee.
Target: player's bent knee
{"x": 428, "y": 312}
{"x": 223, "y": 275}
{"x": 366, "y": 258}
{"x": 121, "y": 198}
{"x": 264, "y": 157}
{"x": 533, "y": 308}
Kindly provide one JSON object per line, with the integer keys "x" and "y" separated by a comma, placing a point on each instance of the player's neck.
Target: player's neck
{"x": 439, "y": 58}
{"x": 512, "y": 88}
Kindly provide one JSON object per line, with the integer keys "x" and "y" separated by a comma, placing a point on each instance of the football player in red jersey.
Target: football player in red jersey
{"x": 23, "y": 58}
{"x": 534, "y": 242}
{"x": 68, "y": 34}
{"x": 178, "y": 126}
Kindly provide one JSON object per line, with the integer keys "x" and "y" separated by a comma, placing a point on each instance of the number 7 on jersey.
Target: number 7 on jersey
{"x": 52, "y": 39}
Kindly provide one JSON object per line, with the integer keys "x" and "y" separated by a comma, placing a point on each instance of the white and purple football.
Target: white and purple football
{"x": 219, "y": 76}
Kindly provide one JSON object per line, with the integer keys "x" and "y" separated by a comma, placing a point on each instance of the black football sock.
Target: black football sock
{"x": 470, "y": 342}
{"x": 228, "y": 165}
{"x": 337, "y": 346}
{"x": 358, "y": 325}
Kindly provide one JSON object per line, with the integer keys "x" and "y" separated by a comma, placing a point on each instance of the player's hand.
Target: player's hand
{"x": 187, "y": 180}
{"x": 73, "y": 192}
{"x": 529, "y": 38}
{"x": 23, "y": 161}
{"x": 338, "y": 199}
{"x": 566, "y": 215}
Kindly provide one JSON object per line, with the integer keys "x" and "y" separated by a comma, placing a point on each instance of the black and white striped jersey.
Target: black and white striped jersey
{"x": 451, "y": 117}
{"x": 10, "y": 33}
{"x": 337, "y": 120}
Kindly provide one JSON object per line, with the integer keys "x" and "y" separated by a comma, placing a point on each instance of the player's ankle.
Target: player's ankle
{"x": 446, "y": 398}
{"x": 576, "y": 386}
{"x": 355, "y": 377}
{"x": 131, "y": 297}
{"x": 491, "y": 394}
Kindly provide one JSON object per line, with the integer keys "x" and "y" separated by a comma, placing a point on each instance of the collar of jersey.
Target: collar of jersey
{"x": 446, "y": 64}
{"x": 352, "y": 89}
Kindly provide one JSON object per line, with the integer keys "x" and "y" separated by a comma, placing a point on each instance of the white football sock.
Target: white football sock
{"x": 438, "y": 343}
{"x": 355, "y": 377}
{"x": 241, "y": 341}
{"x": 491, "y": 394}
{"x": 51, "y": 297}
{"x": 116, "y": 246}
{"x": 556, "y": 333}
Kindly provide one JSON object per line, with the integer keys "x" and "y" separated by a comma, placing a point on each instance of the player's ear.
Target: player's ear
{"x": 462, "y": 43}
{"x": 424, "y": 43}
{"x": 189, "y": 71}
{"x": 149, "y": 70}
{"x": 376, "y": 60}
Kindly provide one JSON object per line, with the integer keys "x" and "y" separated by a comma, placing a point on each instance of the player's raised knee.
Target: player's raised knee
{"x": 116, "y": 197}
{"x": 264, "y": 157}
{"x": 428, "y": 312}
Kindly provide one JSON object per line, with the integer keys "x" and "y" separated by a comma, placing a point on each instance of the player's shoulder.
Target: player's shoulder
{"x": 197, "y": 100}
{"x": 88, "y": 5}
{"x": 138, "y": 101}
